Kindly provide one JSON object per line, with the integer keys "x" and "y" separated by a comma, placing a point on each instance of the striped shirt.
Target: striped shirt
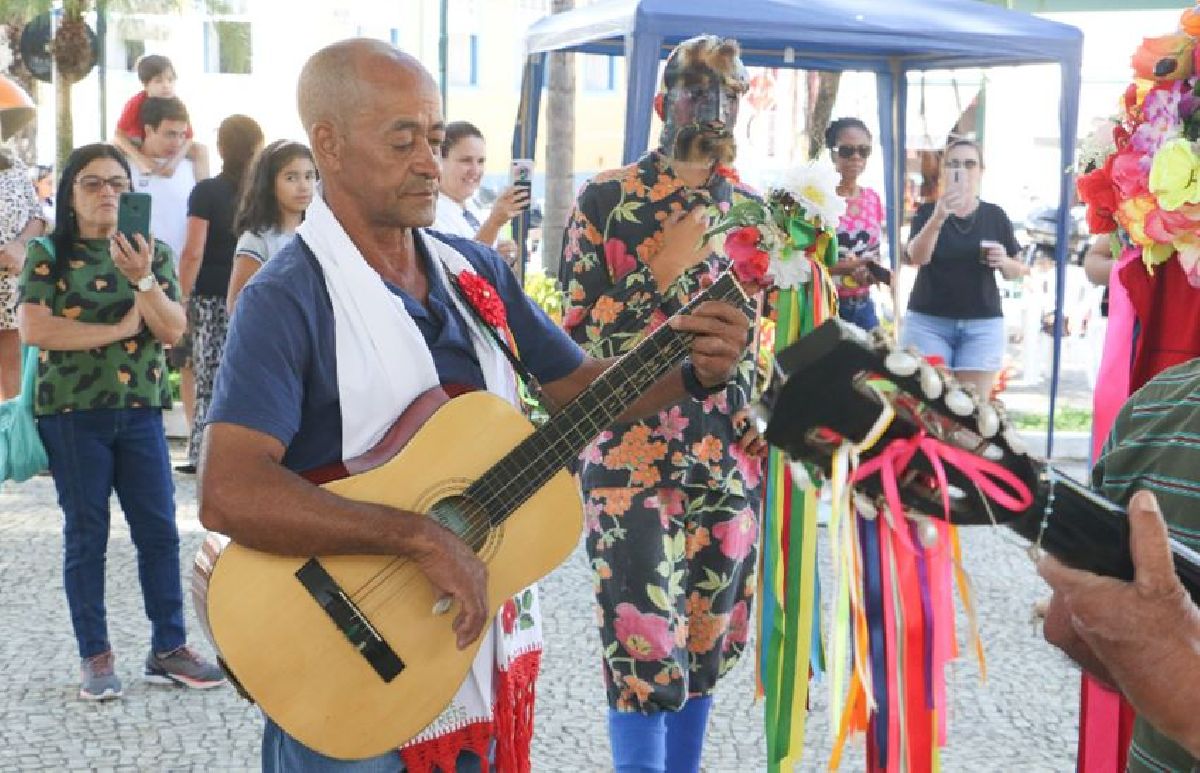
{"x": 1155, "y": 445}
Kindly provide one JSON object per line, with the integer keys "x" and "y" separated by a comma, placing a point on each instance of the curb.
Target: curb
{"x": 1067, "y": 445}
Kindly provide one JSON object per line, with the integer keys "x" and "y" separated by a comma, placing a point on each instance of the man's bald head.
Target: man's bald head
{"x": 332, "y": 81}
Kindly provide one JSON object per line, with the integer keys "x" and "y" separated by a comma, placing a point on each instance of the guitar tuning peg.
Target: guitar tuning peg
{"x": 987, "y": 420}
{"x": 931, "y": 382}
{"x": 959, "y": 402}
{"x": 901, "y": 363}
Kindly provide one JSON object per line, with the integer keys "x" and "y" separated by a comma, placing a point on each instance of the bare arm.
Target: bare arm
{"x": 163, "y": 316}
{"x": 12, "y": 255}
{"x": 247, "y": 494}
{"x": 126, "y": 146}
{"x": 511, "y": 202}
{"x": 1098, "y": 260}
{"x": 40, "y": 327}
{"x": 193, "y": 254}
{"x": 244, "y": 267}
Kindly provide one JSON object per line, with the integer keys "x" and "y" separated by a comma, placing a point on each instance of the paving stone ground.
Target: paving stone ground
{"x": 1023, "y": 718}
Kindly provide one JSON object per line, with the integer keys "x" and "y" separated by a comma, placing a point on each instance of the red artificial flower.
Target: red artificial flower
{"x": 728, "y": 172}
{"x": 508, "y": 615}
{"x": 1096, "y": 190}
{"x": 750, "y": 263}
{"x": 483, "y": 298}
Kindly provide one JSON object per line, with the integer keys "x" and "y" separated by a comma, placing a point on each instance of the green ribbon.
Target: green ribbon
{"x": 802, "y": 233}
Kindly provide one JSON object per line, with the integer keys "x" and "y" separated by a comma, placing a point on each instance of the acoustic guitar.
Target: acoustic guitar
{"x": 830, "y": 388}
{"x": 346, "y": 653}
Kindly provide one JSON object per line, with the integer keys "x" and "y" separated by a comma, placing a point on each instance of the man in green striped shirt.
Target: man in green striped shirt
{"x": 1144, "y": 636}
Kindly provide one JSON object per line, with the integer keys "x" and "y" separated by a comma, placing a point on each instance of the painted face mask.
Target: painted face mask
{"x": 702, "y": 84}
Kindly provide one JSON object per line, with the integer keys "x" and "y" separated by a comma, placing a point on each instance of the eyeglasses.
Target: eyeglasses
{"x": 93, "y": 184}
{"x": 962, "y": 163}
{"x": 848, "y": 151}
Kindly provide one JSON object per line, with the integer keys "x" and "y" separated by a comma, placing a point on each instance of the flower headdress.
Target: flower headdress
{"x": 1144, "y": 177}
{"x": 775, "y": 242}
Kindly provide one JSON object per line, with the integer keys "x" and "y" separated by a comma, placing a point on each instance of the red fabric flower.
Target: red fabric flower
{"x": 1096, "y": 190}
{"x": 483, "y": 298}
{"x": 728, "y": 172}
{"x": 508, "y": 615}
{"x": 750, "y": 263}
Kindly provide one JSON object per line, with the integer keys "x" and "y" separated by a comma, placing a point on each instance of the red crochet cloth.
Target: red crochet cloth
{"x": 512, "y": 727}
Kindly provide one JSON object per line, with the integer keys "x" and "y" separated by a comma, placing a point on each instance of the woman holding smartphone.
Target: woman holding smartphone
{"x": 101, "y": 308}
{"x": 958, "y": 243}
{"x": 464, "y": 156}
{"x": 858, "y": 232}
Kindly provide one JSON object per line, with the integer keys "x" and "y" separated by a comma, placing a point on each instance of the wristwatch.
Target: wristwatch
{"x": 145, "y": 284}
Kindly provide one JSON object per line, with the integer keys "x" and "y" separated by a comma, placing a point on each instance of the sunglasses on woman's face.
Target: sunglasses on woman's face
{"x": 962, "y": 163}
{"x": 849, "y": 151}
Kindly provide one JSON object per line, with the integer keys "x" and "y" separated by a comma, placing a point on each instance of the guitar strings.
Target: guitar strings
{"x": 503, "y": 496}
{"x": 673, "y": 348}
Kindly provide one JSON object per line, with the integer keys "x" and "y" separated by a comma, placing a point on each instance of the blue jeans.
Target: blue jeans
{"x": 283, "y": 754}
{"x": 964, "y": 344}
{"x": 92, "y": 453}
{"x": 859, "y": 310}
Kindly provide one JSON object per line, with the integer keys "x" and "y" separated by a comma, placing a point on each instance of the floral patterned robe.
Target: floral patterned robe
{"x": 671, "y": 503}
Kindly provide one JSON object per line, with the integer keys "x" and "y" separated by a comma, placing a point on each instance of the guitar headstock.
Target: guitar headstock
{"x": 833, "y": 384}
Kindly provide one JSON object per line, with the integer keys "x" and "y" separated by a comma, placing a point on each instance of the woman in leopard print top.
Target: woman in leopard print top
{"x": 20, "y": 221}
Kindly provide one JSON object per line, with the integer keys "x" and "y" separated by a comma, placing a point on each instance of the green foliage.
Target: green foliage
{"x": 1067, "y": 418}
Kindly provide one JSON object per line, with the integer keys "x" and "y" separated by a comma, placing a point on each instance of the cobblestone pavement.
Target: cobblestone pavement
{"x": 1023, "y": 718}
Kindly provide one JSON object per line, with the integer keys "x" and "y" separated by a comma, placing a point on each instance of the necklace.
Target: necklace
{"x": 964, "y": 225}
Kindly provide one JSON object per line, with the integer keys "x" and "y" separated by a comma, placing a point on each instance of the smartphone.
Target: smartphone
{"x": 881, "y": 274}
{"x": 133, "y": 216}
{"x": 522, "y": 177}
{"x": 957, "y": 181}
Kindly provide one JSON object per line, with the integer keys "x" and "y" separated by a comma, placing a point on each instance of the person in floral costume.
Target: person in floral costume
{"x": 671, "y": 502}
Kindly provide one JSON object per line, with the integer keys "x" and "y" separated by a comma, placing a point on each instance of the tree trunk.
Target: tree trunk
{"x": 822, "y": 92}
{"x": 560, "y": 151}
{"x": 64, "y": 125}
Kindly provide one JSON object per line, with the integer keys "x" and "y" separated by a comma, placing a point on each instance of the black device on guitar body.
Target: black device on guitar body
{"x": 831, "y": 386}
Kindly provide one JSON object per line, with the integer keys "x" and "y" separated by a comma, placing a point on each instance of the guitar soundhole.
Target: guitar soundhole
{"x": 465, "y": 518}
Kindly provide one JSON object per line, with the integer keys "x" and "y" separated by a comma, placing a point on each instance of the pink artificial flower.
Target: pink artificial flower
{"x": 620, "y": 262}
{"x": 644, "y": 636}
{"x": 1128, "y": 176}
{"x": 739, "y": 625}
{"x": 737, "y": 535}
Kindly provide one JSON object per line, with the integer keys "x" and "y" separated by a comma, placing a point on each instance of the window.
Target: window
{"x": 132, "y": 50}
{"x": 227, "y": 47}
{"x": 463, "y": 62}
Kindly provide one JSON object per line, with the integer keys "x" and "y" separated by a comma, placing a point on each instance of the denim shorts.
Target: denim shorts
{"x": 964, "y": 344}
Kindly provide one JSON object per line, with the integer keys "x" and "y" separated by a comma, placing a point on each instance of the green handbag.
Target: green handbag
{"x": 22, "y": 454}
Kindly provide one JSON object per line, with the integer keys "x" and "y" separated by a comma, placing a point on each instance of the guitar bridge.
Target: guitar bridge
{"x": 350, "y": 620}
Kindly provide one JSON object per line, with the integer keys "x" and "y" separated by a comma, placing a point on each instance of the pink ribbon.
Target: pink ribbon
{"x": 990, "y": 477}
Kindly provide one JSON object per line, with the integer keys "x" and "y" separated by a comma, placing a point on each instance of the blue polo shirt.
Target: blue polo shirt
{"x": 278, "y": 374}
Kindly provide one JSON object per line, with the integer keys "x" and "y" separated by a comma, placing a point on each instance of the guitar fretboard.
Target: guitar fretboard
{"x": 525, "y": 469}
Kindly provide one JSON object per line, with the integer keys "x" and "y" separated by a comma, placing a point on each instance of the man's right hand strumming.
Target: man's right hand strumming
{"x": 683, "y": 246}
{"x": 454, "y": 570}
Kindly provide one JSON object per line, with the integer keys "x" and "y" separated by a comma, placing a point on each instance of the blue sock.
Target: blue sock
{"x": 639, "y": 741}
{"x": 685, "y": 734}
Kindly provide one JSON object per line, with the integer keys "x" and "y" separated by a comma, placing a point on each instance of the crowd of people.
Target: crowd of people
{"x": 285, "y": 304}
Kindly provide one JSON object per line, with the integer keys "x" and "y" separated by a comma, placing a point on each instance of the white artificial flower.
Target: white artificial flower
{"x": 814, "y": 186}
{"x": 790, "y": 270}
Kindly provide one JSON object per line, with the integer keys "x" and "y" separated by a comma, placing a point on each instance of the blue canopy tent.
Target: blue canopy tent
{"x": 888, "y": 38}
